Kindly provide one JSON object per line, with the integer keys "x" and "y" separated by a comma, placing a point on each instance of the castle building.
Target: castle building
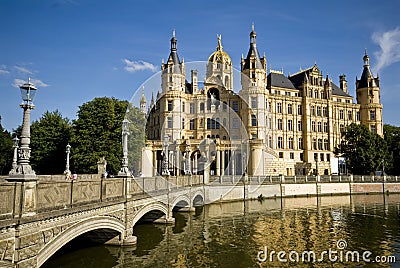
{"x": 274, "y": 125}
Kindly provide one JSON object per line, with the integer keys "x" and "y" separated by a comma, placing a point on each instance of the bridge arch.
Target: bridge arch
{"x": 94, "y": 223}
{"x": 181, "y": 201}
{"x": 198, "y": 199}
{"x": 148, "y": 208}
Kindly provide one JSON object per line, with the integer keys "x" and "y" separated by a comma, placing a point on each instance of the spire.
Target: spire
{"x": 327, "y": 83}
{"x": 173, "y": 58}
{"x": 253, "y": 35}
{"x": 152, "y": 99}
{"x": 173, "y": 41}
{"x": 367, "y": 78}
{"x": 253, "y": 56}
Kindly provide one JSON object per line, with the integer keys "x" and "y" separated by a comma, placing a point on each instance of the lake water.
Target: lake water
{"x": 234, "y": 234}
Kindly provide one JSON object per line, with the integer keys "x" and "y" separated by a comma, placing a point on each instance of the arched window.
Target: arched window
{"x": 253, "y": 120}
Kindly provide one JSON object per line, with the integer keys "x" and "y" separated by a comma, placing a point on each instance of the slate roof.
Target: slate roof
{"x": 279, "y": 80}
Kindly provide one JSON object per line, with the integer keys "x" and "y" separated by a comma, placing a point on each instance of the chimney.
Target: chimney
{"x": 343, "y": 83}
{"x": 194, "y": 81}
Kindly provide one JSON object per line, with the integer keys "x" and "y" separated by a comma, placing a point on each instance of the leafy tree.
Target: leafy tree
{"x": 49, "y": 137}
{"x": 392, "y": 138}
{"x": 363, "y": 150}
{"x": 136, "y": 141}
{"x": 6, "y": 150}
{"x": 97, "y": 133}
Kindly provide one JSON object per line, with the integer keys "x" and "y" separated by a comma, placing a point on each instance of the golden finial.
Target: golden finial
{"x": 219, "y": 48}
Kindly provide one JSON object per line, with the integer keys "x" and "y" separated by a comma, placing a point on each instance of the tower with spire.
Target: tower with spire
{"x": 368, "y": 96}
{"x": 143, "y": 103}
{"x": 173, "y": 71}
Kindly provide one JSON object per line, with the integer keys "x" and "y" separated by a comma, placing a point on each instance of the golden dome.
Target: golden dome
{"x": 220, "y": 56}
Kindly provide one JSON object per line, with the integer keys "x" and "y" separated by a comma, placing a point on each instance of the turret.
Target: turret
{"x": 343, "y": 83}
{"x": 143, "y": 103}
{"x": 173, "y": 71}
{"x": 368, "y": 96}
{"x": 253, "y": 66}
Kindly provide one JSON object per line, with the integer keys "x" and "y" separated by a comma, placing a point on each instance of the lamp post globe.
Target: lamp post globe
{"x": 23, "y": 170}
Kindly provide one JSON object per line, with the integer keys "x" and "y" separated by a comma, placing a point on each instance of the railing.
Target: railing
{"x": 233, "y": 180}
{"x": 54, "y": 195}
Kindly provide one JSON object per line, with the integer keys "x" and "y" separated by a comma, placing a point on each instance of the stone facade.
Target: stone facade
{"x": 275, "y": 124}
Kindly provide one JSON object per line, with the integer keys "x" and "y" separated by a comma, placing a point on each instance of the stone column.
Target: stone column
{"x": 223, "y": 162}
{"x": 233, "y": 162}
{"x": 217, "y": 163}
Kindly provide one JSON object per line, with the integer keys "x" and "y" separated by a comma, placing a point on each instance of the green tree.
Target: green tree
{"x": 363, "y": 150}
{"x": 49, "y": 137}
{"x": 136, "y": 141}
{"x": 392, "y": 138}
{"x": 6, "y": 150}
{"x": 97, "y": 133}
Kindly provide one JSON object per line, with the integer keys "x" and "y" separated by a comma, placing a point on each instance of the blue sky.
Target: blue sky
{"x": 75, "y": 50}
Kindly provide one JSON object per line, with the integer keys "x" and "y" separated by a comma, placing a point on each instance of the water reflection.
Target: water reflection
{"x": 231, "y": 234}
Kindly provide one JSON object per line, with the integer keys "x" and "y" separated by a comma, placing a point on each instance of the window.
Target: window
{"x": 253, "y": 120}
{"x": 183, "y": 123}
{"x": 358, "y": 116}
{"x": 235, "y": 123}
{"x": 279, "y": 107}
{"x": 324, "y": 111}
{"x": 253, "y": 102}
{"x": 279, "y": 124}
{"x": 235, "y": 106}
{"x": 315, "y": 156}
{"x": 373, "y": 129}
{"x": 349, "y": 115}
{"x": 313, "y": 125}
{"x": 183, "y": 107}
{"x": 191, "y": 124}
{"x": 301, "y": 157}
{"x": 224, "y": 122}
{"x": 314, "y": 142}
{"x": 170, "y": 105}
{"x": 318, "y": 110}
{"x": 321, "y": 156}
{"x": 319, "y": 127}
{"x": 310, "y": 93}
{"x": 319, "y": 144}
{"x": 269, "y": 106}
{"x": 371, "y": 115}
{"x": 217, "y": 123}
{"x": 268, "y": 120}
{"x": 291, "y": 155}
{"x": 326, "y": 127}
{"x": 208, "y": 123}
{"x": 322, "y": 95}
{"x": 280, "y": 154}
{"x": 316, "y": 94}
{"x": 224, "y": 105}
{"x": 290, "y": 143}
{"x": 270, "y": 141}
{"x": 326, "y": 145}
{"x": 328, "y": 157}
{"x": 299, "y": 109}
{"x": 290, "y": 124}
{"x": 300, "y": 145}
{"x": 341, "y": 114}
{"x": 287, "y": 94}
{"x": 191, "y": 108}
{"x": 290, "y": 108}
{"x": 201, "y": 106}
{"x": 312, "y": 110}
{"x": 280, "y": 143}
{"x": 169, "y": 122}
{"x": 299, "y": 125}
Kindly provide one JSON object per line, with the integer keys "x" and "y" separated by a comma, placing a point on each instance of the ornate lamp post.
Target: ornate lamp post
{"x": 67, "y": 151}
{"x": 165, "y": 169}
{"x": 124, "y": 172}
{"x": 15, "y": 157}
{"x": 23, "y": 169}
{"x": 187, "y": 164}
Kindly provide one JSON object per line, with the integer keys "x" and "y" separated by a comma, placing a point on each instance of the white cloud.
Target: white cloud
{"x": 3, "y": 70}
{"x": 23, "y": 70}
{"x": 389, "y": 42}
{"x": 134, "y": 66}
{"x": 36, "y": 82}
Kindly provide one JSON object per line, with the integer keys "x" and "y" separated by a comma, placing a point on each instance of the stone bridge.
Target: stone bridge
{"x": 39, "y": 217}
